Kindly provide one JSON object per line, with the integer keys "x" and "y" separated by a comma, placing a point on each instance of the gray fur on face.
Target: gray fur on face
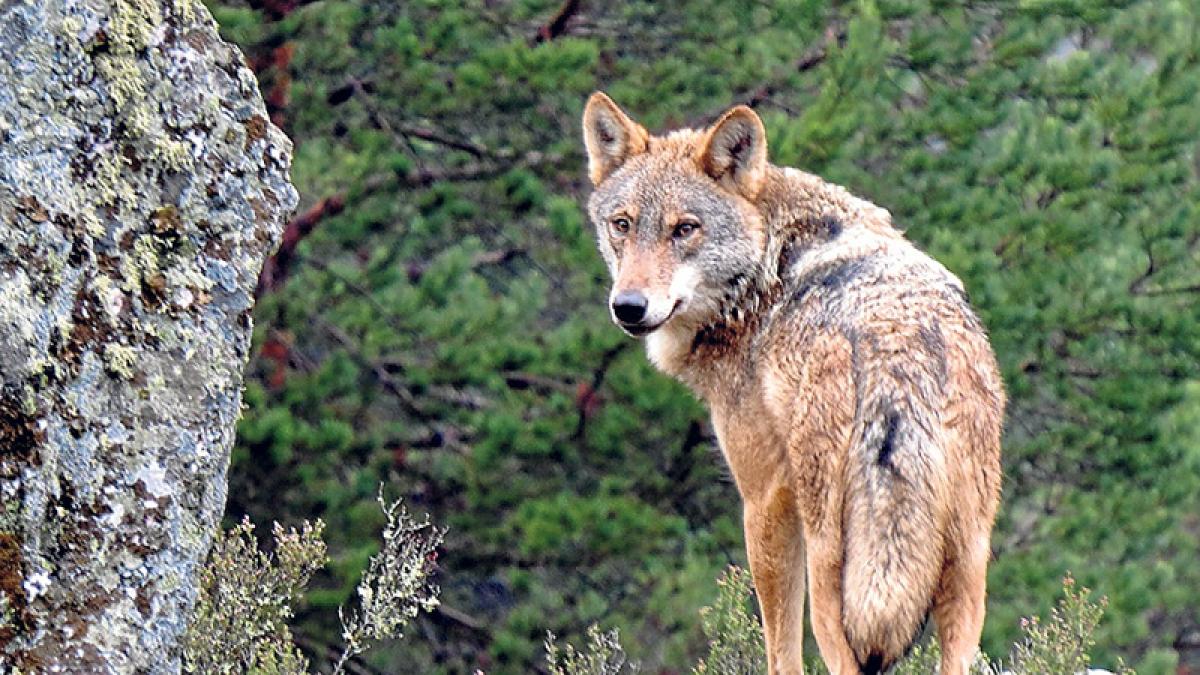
{"x": 654, "y": 193}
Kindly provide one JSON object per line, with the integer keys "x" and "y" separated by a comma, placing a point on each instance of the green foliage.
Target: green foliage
{"x": 246, "y": 599}
{"x": 924, "y": 659}
{"x": 1062, "y": 643}
{"x": 735, "y": 638}
{"x": 446, "y": 332}
{"x": 247, "y": 596}
{"x": 1057, "y": 647}
{"x": 396, "y": 585}
{"x": 601, "y": 655}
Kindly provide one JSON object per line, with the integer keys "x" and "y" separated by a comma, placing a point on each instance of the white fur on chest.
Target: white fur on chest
{"x": 669, "y": 346}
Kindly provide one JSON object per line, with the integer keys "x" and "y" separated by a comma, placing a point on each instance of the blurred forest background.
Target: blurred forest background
{"x": 435, "y": 319}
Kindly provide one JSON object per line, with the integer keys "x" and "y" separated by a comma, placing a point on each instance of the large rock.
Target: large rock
{"x": 141, "y": 186}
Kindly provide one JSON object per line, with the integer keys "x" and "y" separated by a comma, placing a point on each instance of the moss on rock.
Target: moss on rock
{"x": 139, "y": 193}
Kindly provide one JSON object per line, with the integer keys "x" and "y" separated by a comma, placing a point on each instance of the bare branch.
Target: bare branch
{"x": 276, "y": 267}
{"x": 397, "y": 131}
{"x": 557, "y": 25}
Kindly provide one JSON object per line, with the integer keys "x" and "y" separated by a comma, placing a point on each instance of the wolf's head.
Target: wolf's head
{"x": 674, "y": 215}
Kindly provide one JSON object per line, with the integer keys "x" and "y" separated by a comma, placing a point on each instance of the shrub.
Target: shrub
{"x": 1062, "y": 643}
{"x": 239, "y": 624}
{"x": 735, "y": 639}
{"x": 246, "y": 598}
{"x": 1058, "y": 646}
{"x": 602, "y": 655}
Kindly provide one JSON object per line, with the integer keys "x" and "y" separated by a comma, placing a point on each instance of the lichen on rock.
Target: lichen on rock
{"x": 140, "y": 190}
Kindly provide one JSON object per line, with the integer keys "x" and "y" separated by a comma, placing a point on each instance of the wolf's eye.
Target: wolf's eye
{"x": 685, "y": 228}
{"x": 619, "y": 226}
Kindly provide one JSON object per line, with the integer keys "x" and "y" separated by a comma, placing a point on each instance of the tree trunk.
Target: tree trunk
{"x": 141, "y": 186}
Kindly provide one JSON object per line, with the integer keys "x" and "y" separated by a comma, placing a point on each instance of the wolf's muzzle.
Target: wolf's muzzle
{"x": 636, "y": 317}
{"x": 629, "y": 307}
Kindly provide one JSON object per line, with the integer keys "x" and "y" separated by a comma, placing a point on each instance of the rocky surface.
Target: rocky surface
{"x": 141, "y": 186}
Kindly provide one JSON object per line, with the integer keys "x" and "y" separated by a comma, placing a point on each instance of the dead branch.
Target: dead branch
{"x": 521, "y": 381}
{"x": 275, "y": 268}
{"x": 588, "y": 392}
{"x": 416, "y": 270}
{"x": 461, "y": 618}
{"x": 403, "y": 132}
{"x": 557, "y": 25}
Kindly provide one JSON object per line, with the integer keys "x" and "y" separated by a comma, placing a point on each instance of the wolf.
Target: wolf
{"x": 853, "y": 391}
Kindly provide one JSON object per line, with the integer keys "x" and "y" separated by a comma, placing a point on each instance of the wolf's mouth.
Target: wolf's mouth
{"x": 644, "y": 329}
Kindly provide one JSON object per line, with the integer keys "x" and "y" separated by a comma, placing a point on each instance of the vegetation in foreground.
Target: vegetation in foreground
{"x": 247, "y": 596}
{"x": 1061, "y": 645}
{"x": 246, "y": 599}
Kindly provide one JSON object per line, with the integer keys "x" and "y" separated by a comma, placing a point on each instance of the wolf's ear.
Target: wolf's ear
{"x": 610, "y": 136}
{"x": 734, "y": 151}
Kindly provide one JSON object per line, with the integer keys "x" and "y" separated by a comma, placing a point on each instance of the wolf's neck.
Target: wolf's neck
{"x": 708, "y": 357}
{"x": 801, "y": 213}
{"x": 801, "y": 208}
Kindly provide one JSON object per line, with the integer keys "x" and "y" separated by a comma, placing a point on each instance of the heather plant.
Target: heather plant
{"x": 1057, "y": 646}
{"x": 602, "y": 654}
{"x": 1062, "y": 643}
{"x": 396, "y": 585}
{"x": 247, "y": 596}
{"x": 735, "y": 639}
{"x": 925, "y": 658}
{"x": 239, "y": 624}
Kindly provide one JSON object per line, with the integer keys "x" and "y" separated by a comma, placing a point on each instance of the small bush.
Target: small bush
{"x": 735, "y": 639}
{"x": 1061, "y": 644}
{"x": 396, "y": 585}
{"x": 246, "y": 598}
{"x": 246, "y": 595}
{"x": 1058, "y": 646}
{"x": 602, "y": 655}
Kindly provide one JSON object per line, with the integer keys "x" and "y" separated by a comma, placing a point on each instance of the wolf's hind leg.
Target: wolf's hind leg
{"x": 821, "y": 407}
{"x": 825, "y": 595}
{"x": 959, "y": 604}
{"x": 775, "y": 547}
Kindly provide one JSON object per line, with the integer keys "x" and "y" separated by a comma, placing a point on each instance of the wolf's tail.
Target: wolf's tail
{"x": 893, "y": 537}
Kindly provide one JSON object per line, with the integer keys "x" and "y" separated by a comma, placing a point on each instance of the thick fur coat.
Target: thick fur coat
{"x": 852, "y": 389}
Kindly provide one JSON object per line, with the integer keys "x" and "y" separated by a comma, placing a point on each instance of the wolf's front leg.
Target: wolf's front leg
{"x": 775, "y": 547}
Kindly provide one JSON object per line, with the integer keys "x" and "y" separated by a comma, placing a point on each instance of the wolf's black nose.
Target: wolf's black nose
{"x": 629, "y": 306}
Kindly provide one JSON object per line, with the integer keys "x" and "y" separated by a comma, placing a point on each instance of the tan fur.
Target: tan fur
{"x": 853, "y": 392}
